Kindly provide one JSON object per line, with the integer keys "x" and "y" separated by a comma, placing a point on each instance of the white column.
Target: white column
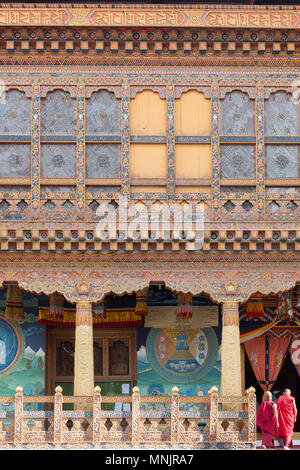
{"x": 231, "y": 383}
{"x": 84, "y": 354}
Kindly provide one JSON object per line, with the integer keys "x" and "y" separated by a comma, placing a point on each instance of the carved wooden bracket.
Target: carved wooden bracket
{"x": 236, "y": 282}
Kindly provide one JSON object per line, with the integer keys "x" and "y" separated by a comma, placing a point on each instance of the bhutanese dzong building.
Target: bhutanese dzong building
{"x": 158, "y": 107}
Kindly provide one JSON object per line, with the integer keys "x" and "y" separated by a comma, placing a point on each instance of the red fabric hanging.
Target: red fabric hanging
{"x": 278, "y": 348}
{"x": 266, "y": 355}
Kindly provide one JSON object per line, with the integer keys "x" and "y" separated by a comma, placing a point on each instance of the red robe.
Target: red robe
{"x": 266, "y": 422}
{"x": 286, "y": 418}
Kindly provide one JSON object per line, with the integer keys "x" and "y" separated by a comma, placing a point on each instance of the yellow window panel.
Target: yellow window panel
{"x": 148, "y": 114}
{"x": 193, "y": 189}
{"x": 192, "y": 161}
{"x": 148, "y": 189}
{"x": 148, "y": 161}
{"x": 192, "y": 114}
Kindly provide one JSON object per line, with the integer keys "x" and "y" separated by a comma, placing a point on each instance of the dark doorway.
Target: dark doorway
{"x": 288, "y": 378}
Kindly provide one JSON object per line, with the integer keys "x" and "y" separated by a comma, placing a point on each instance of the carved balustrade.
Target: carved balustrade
{"x": 116, "y": 422}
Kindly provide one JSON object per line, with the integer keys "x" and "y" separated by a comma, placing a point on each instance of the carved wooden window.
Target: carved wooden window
{"x": 281, "y": 141}
{"x": 192, "y": 142}
{"x": 281, "y": 115}
{"x": 65, "y": 357}
{"x": 15, "y": 114}
{"x": 238, "y": 161}
{"x": 58, "y": 114}
{"x": 237, "y": 142}
{"x": 114, "y": 357}
{"x": 14, "y": 160}
{"x": 103, "y": 161}
{"x": 102, "y": 114}
{"x": 282, "y": 161}
{"x": 15, "y": 153}
{"x": 58, "y": 139}
{"x": 118, "y": 356}
{"x": 15, "y": 130}
{"x": 103, "y": 140}
{"x": 237, "y": 115}
{"x": 58, "y": 161}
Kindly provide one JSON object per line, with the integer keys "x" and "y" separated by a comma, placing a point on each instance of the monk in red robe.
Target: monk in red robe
{"x": 267, "y": 419}
{"x": 287, "y": 415}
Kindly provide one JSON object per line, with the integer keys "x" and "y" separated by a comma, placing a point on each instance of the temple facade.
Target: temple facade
{"x": 149, "y": 208}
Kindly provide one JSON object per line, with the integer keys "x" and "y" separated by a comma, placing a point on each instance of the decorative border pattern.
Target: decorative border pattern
{"x": 215, "y": 150}
{"x": 260, "y": 153}
{"x": 80, "y": 153}
{"x": 151, "y": 16}
{"x": 66, "y": 273}
{"x": 170, "y": 141}
{"x": 35, "y": 152}
{"x": 125, "y": 136}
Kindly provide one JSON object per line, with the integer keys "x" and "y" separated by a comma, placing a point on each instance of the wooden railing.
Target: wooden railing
{"x": 156, "y": 422}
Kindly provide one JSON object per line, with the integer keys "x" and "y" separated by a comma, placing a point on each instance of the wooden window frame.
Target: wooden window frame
{"x": 68, "y": 333}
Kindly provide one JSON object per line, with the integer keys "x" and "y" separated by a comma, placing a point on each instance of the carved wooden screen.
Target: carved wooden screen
{"x": 15, "y": 154}
{"x": 237, "y": 131}
{"x": 281, "y": 136}
{"x": 103, "y": 141}
{"x": 58, "y": 131}
{"x": 57, "y": 153}
{"x": 237, "y": 153}
{"x": 14, "y": 130}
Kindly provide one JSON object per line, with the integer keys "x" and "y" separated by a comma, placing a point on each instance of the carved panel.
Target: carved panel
{"x": 15, "y": 114}
{"x": 161, "y": 90}
{"x": 14, "y": 209}
{"x": 58, "y": 114}
{"x": 57, "y": 161}
{"x": 58, "y": 209}
{"x": 238, "y": 209}
{"x": 281, "y": 116}
{"x": 282, "y": 161}
{"x": 103, "y": 161}
{"x": 14, "y": 160}
{"x": 237, "y": 161}
{"x": 102, "y": 114}
{"x": 237, "y": 115}
{"x": 280, "y": 210}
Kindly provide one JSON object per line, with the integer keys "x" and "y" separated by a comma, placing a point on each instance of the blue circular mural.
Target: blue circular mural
{"x": 182, "y": 356}
{"x": 10, "y": 345}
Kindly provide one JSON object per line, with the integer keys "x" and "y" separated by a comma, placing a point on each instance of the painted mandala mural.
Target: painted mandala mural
{"x": 184, "y": 356}
{"x": 10, "y": 345}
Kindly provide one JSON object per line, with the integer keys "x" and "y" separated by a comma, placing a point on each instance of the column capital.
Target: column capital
{"x": 84, "y": 314}
{"x": 230, "y": 313}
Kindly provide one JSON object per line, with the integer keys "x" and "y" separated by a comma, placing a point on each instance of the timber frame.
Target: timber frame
{"x": 80, "y": 48}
